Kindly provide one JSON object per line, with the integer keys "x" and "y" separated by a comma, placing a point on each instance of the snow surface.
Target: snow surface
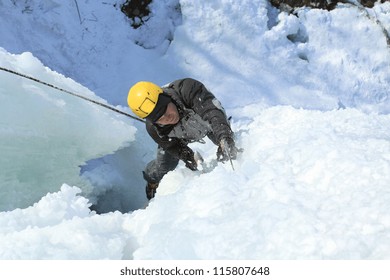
{"x": 310, "y": 106}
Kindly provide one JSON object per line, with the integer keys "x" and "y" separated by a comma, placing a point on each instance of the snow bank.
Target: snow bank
{"x": 309, "y": 185}
{"x": 313, "y": 60}
{"x": 60, "y": 226}
{"x": 91, "y": 42}
{"x": 357, "y": 73}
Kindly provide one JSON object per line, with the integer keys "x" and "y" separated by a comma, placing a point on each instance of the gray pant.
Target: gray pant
{"x": 157, "y": 168}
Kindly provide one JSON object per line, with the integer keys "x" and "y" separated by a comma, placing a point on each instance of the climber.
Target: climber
{"x": 177, "y": 114}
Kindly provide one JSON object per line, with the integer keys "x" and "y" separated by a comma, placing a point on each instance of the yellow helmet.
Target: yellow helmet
{"x": 143, "y": 97}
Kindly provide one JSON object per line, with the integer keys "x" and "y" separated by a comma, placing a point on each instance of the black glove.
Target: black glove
{"x": 227, "y": 149}
{"x": 187, "y": 155}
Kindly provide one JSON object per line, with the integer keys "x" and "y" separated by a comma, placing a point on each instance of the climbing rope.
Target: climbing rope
{"x": 71, "y": 93}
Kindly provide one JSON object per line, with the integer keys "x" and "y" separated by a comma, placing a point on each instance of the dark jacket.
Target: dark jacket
{"x": 201, "y": 114}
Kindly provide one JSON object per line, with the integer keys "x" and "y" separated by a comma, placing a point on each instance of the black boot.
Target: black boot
{"x": 151, "y": 190}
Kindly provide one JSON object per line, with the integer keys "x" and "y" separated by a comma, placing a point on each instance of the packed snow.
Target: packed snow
{"x": 309, "y": 100}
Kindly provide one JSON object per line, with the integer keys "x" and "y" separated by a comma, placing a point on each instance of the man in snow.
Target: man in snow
{"x": 177, "y": 114}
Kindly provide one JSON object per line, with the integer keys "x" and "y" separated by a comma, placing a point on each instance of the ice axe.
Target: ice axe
{"x": 226, "y": 151}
